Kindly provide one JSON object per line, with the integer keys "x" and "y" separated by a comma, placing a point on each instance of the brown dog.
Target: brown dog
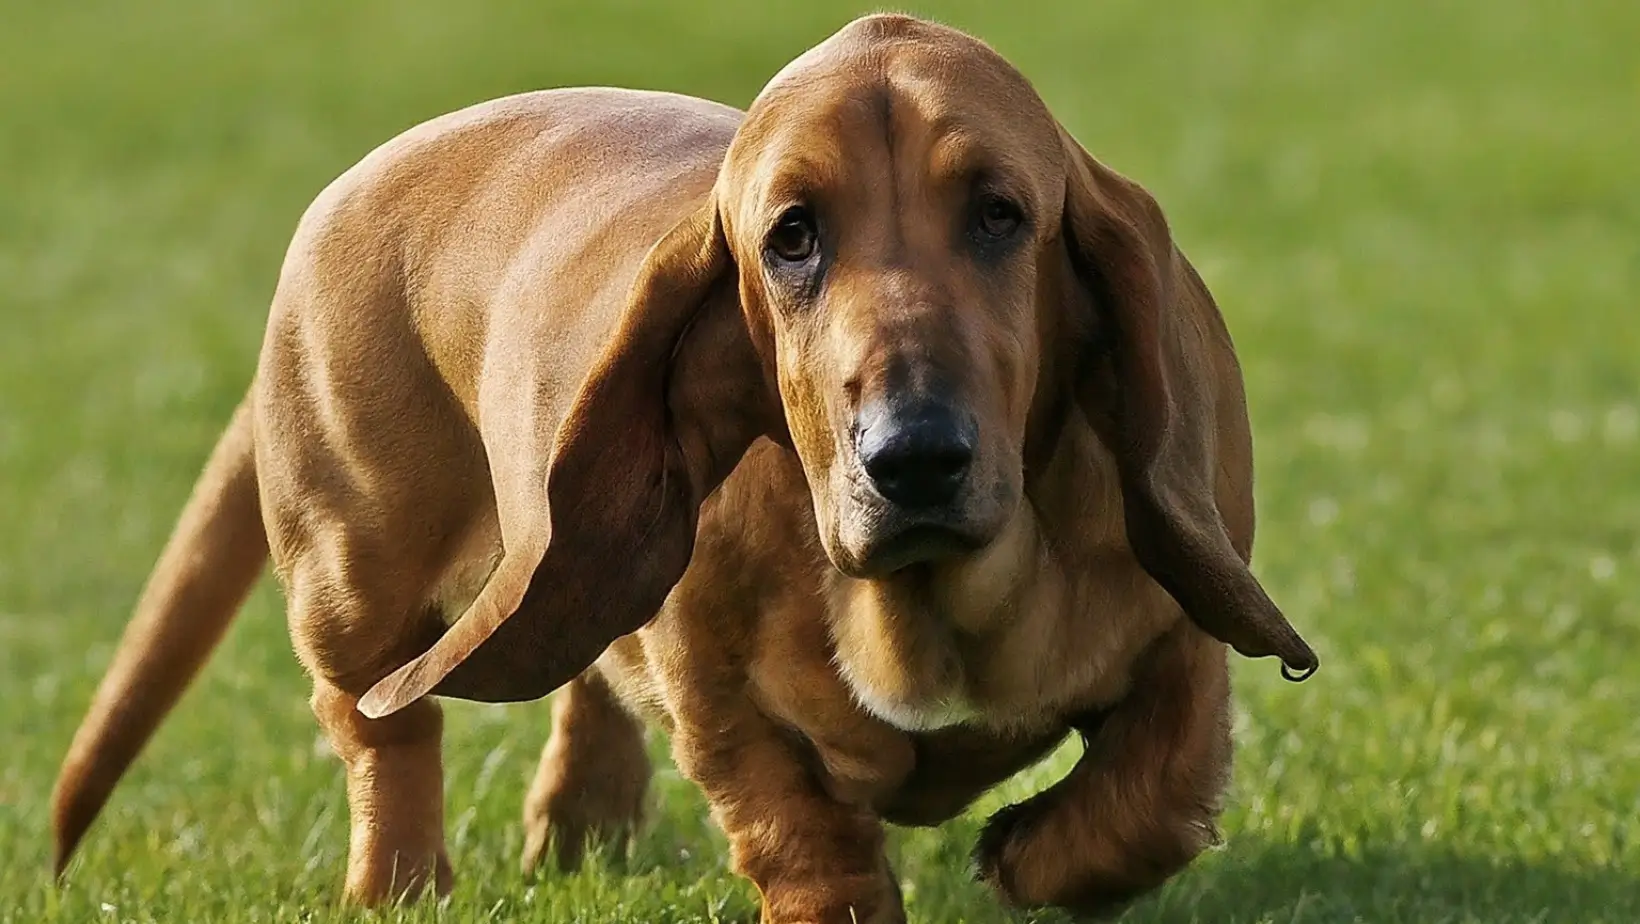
{"x": 882, "y": 430}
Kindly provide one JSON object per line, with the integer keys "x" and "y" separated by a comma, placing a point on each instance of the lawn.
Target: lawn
{"x": 1422, "y": 220}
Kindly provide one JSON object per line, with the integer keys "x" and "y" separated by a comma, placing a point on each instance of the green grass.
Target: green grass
{"x": 1422, "y": 218}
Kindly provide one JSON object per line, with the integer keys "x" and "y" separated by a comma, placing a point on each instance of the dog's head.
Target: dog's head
{"x": 888, "y": 201}
{"x": 910, "y": 274}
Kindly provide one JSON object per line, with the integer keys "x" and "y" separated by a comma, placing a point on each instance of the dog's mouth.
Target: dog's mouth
{"x": 918, "y": 542}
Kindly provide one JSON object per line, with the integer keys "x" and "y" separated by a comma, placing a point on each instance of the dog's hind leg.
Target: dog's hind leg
{"x": 395, "y": 785}
{"x": 395, "y": 797}
{"x": 592, "y": 780}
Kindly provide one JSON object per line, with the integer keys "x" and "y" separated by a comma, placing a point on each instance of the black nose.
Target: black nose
{"x": 918, "y": 456}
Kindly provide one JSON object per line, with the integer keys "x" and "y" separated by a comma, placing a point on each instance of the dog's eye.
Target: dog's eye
{"x": 794, "y": 238}
{"x": 998, "y": 218}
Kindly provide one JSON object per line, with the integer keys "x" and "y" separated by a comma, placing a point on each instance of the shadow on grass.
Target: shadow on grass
{"x": 1247, "y": 882}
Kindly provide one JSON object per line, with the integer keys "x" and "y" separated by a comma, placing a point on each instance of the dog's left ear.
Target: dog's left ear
{"x": 1157, "y": 383}
{"x": 663, "y": 416}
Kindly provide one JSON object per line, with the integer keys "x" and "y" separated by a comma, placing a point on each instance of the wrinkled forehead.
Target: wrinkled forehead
{"x": 935, "y": 103}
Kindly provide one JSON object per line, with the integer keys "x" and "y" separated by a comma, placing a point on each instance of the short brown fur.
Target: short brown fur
{"x": 537, "y": 406}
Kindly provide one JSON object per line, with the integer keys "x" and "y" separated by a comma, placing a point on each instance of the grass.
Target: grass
{"x": 1420, "y": 218}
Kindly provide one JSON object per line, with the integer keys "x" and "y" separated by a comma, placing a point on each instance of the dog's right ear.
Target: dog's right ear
{"x": 662, "y": 418}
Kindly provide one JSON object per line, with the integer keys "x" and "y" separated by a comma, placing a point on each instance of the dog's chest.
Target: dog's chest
{"x": 1018, "y": 664}
{"x": 881, "y": 691}
{"x": 1047, "y": 621}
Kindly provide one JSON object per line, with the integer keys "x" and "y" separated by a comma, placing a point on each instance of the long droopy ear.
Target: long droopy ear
{"x": 663, "y": 417}
{"x": 1163, "y": 384}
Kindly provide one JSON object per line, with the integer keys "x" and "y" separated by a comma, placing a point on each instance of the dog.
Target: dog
{"x": 872, "y": 441}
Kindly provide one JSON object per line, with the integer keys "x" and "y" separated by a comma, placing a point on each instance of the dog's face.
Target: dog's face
{"x": 889, "y": 208}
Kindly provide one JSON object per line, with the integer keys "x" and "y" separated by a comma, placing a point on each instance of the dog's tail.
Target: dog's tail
{"x": 214, "y": 556}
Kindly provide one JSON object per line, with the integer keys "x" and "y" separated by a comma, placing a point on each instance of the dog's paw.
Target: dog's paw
{"x": 997, "y": 853}
{"x": 834, "y": 911}
{"x": 1029, "y": 866}
{"x": 562, "y": 829}
{"x": 378, "y": 876}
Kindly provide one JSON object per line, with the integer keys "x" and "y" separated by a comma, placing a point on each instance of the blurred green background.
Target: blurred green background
{"x": 1421, "y": 218}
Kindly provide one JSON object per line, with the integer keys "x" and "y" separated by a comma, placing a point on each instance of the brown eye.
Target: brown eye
{"x": 793, "y": 239}
{"x": 998, "y": 218}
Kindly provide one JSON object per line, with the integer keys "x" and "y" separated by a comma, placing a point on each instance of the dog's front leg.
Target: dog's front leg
{"x": 1142, "y": 801}
{"x": 814, "y": 860}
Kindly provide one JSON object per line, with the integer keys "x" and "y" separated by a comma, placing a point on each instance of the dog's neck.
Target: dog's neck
{"x": 1044, "y": 621}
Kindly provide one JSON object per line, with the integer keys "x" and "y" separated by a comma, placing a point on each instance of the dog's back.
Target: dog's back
{"x": 531, "y": 210}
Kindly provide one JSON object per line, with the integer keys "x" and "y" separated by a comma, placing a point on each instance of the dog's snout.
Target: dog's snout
{"x": 917, "y": 457}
